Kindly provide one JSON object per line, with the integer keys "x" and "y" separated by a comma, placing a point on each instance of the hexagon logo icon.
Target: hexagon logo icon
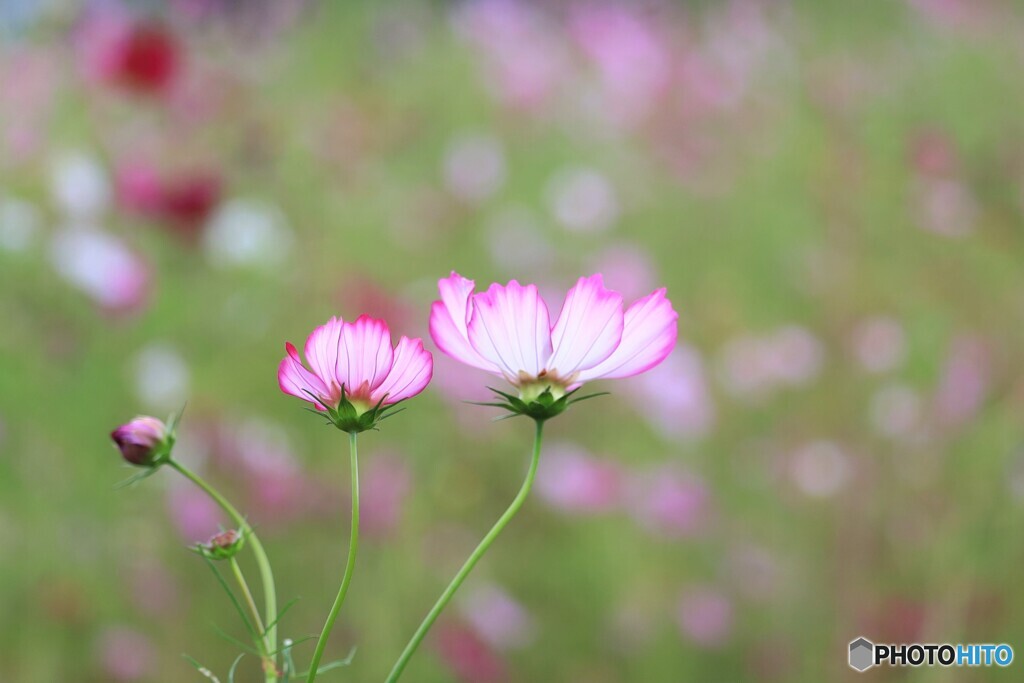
{"x": 862, "y": 654}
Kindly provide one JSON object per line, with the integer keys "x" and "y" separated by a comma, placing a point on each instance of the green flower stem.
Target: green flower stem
{"x": 474, "y": 557}
{"x": 266, "y": 574}
{"x": 346, "y": 579}
{"x": 261, "y": 642}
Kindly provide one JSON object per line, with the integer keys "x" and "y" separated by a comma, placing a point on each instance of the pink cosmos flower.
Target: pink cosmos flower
{"x": 507, "y": 331}
{"x": 355, "y": 362}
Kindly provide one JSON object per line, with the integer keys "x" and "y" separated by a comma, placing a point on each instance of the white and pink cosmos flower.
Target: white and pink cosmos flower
{"x": 507, "y": 331}
{"x": 355, "y": 360}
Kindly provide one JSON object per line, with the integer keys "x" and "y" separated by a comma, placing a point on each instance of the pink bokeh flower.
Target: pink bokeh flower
{"x": 192, "y": 512}
{"x": 386, "y": 482}
{"x": 507, "y": 331}
{"x": 675, "y": 397}
{"x": 103, "y": 267}
{"x": 631, "y": 58}
{"x": 670, "y": 502}
{"x": 524, "y": 80}
{"x": 498, "y": 618}
{"x": 354, "y": 367}
{"x": 125, "y": 654}
{"x": 572, "y": 480}
{"x": 705, "y": 617}
{"x": 965, "y": 382}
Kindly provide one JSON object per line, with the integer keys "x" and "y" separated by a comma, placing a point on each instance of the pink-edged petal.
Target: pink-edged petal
{"x": 448, "y": 320}
{"x": 510, "y": 328}
{"x": 648, "y": 336}
{"x": 296, "y": 380}
{"x": 322, "y": 347}
{"x": 365, "y": 356}
{"x": 410, "y": 372}
{"x": 588, "y": 329}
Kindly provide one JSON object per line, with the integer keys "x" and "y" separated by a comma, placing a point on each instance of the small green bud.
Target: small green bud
{"x": 222, "y": 546}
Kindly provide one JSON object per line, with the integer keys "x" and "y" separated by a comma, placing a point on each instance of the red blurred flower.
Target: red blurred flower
{"x": 467, "y": 655}
{"x": 189, "y": 200}
{"x": 139, "y": 55}
{"x": 148, "y": 58}
{"x": 183, "y": 202}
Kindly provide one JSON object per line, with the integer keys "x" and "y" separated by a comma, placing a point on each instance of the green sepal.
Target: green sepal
{"x": 544, "y": 407}
{"x": 347, "y": 417}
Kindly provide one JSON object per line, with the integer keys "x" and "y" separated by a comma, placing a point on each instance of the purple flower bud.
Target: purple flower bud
{"x": 143, "y": 441}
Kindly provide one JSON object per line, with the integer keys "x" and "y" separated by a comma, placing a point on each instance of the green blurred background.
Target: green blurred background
{"x": 831, "y": 192}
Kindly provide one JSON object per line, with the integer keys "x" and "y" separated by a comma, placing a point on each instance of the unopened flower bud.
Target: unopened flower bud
{"x": 223, "y": 545}
{"x": 145, "y": 441}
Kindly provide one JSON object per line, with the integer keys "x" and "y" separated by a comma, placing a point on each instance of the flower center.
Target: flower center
{"x": 359, "y": 398}
{"x": 530, "y": 387}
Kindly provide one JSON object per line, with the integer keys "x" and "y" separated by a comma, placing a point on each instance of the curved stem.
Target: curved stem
{"x": 346, "y": 579}
{"x": 474, "y": 557}
{"x": 266, "y": 574}
{"x": 261, "y": 642}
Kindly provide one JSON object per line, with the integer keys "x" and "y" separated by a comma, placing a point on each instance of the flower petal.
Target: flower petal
{"x": 322, "y": 347}
{"x": 365, "y": 355}
{"x": 410, "y": 372}
{"x": 588, "y": 329}
{"x": 296, "y": 380}
{"x": 448, "y": 318}
{"x": 648, "y": 336}
{"x": 510, "y": 328}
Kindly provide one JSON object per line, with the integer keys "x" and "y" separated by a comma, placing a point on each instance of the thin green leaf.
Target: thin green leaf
{"x": 489, "y": 404}
{"x": 502, "y": 394}
{"x": 336, "y": 664}
{"x": 294, "y": 643}
{"x": 392, "y": 406}
{"x": 391, "y": 414}
{"x": 281, "y": 613}
{"x": 175, "y": 418}
{"x": 234, "y": 601}
{"x": 136, "y": 478}
{"x": 584, "y": 398}
{"x": 289, "y": 663}
{"x": 234, "y": 641}
{"x": 201, "y": 669}
{"x": 231, "y": 671}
